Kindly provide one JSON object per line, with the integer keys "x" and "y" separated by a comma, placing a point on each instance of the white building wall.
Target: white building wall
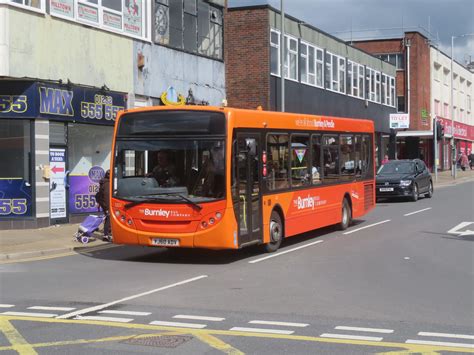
{"x": 463, "y": 92}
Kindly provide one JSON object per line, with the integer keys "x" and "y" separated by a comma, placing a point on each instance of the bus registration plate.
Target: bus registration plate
{"x": 163, "y": 242}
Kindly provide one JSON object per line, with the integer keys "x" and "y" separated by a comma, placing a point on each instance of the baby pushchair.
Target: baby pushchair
{"x": 88, "y": 227}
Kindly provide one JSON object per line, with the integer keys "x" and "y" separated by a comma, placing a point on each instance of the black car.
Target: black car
{"x": 404, "y": 178}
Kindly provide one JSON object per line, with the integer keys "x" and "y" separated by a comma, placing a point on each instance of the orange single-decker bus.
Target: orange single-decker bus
{"x": 225, "y": 178}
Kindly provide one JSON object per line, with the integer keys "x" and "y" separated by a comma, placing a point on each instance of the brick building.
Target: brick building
{"x": 424, "y": 92}
{"x": 323, "y": 74}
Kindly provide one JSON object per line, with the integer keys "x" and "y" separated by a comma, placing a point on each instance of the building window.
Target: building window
{"x": 275, "y": 52}
{"x": 192, "y": 25}
{"x": 291, "y": 58}
{"x": 446, "y": 110}
{"x": 437, "y": 71}
{"x": 311, "y": 65}
{"x": 355, "y": 79}
{"x": 35, "y": 5}
{"x": 437, "y": 107}
{"x": 446, "y": 76}
{"x": 396, "y": 59}
{"x": 373, "y": 85}
{"x": 335, "y": 73}
{"x": 468, "y": 103}
{"x": 388, "y": 90}
{"x": 400, "y": 103}
{"x": 124, "y": 17}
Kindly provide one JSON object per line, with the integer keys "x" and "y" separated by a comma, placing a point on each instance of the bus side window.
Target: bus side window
{"x": 300, "y": 153}
{"x": 316, "y": 171}
{"x": 358, "y": 155}
{"x": 277, "y": 157}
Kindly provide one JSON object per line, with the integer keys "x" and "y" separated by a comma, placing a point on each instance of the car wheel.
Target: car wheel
{"x": 346, "y": 215}
{"x": 414, "y": 195}
{"x": 276, "y": 233}
{"x": 429, "y": 194}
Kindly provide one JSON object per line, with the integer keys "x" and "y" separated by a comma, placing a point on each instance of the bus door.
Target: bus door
{"x": 248, "y": 185}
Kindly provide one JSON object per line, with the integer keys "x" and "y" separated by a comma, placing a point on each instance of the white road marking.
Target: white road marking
{"x": 30, "y": 314}
{"x": 126, "y": 313}
{"x": 353, "y": 337}
{"x": 106, "y": 305}
{"x": 211, "y": 319}
{"x": 7, "y": 305}
{"x": 440, "y": 343}
{"x": 105, "y": 319}
{"x": 41, "y": 308}
{"x": 288, "y": 324}
{"x": 456, "y": 230}
{"x": 179, "y": 324}
{"x": 444, "y": 335}
{"x": 372, "y": 330}
{"x": 284, "y": 252}
{"x": 370, "y": 225}
{"x": 424, "y": 209}
{"x": 261, "y": 330}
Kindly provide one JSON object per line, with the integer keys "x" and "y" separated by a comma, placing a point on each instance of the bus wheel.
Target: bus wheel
{"x": 346, "y": 215}
{"x": 276, "y": 233}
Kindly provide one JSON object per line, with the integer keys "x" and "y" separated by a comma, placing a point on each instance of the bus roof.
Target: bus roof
{"x": 244, "y": 118}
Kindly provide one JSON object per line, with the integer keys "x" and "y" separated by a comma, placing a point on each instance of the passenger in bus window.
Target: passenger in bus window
{"x": 164, "y": 172}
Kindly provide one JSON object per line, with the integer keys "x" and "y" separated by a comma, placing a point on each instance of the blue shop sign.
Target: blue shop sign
{"x": 59, "y": 102}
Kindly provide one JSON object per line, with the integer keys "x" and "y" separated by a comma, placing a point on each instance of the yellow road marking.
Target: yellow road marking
{"x": 60, "y": 255}
{"x": 19, "y": 344}
{"x": 414, "y": 348}
{"x": 218, "y": 344}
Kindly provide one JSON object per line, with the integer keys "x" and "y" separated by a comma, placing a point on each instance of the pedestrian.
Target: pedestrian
{"x": 102, "y": 198}
{"x": 464, "y": 161}
{"x": 471, "y": 160}
{"x": 385, "y": 159}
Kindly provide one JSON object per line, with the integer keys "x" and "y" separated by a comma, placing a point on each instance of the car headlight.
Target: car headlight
{"x": 405, "y": 182}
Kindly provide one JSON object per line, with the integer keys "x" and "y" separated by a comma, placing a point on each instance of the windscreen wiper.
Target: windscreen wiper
{"x": 144, "y": 200}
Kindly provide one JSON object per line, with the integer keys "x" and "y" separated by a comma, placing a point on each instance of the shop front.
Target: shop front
{"x": 463, "y": 141}
{"x": 55, "y": 142}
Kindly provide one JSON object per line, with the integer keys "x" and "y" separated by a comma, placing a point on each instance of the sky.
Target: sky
{"x": 386, "y": 18}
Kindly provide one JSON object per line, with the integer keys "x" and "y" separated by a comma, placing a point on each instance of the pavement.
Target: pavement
{"x": 57, "y": 240}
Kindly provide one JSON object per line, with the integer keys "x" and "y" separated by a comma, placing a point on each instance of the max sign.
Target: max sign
{"x": 56, "y": 101}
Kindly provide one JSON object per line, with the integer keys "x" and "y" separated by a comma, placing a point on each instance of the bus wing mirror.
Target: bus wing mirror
{"x": 251, "y": 146}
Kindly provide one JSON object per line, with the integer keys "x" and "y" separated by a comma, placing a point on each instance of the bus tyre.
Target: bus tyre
{"x": 276, "y": 233}
{"x": 346, "y": 217}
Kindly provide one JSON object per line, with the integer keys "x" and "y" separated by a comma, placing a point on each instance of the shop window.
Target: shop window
{"x": 89, "y": 158}
{"x": 316, "y": 170}
{"x": 15, "y": 172}
{"x": 38, "y": 5}
{"x": 15, "y": 148}
{"x": 277, "y": 157}
{"x": 347, "y": 162}
{"x": 300, "y": 160}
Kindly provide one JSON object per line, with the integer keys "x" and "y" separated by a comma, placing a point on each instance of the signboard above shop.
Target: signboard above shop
{"x": 24, "y": 99}
{"x": 399, "y": 120}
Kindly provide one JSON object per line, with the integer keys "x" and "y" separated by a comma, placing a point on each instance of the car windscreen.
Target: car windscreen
{"x": 397, "y": 168}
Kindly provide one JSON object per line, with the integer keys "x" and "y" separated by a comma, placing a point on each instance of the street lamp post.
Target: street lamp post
{"x": 453, "y": 147}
